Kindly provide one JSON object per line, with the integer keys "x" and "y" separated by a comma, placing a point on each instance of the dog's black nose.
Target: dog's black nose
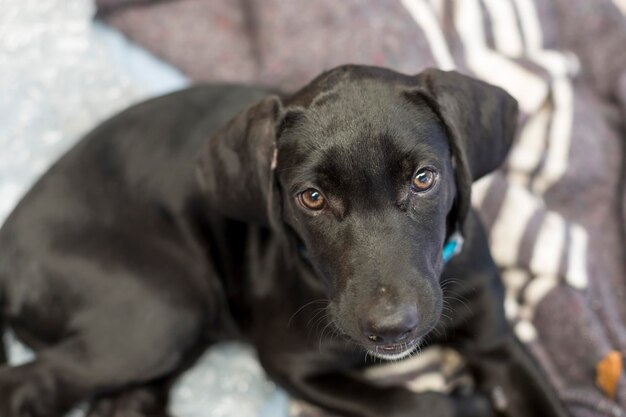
{"x": 395, "y": 327}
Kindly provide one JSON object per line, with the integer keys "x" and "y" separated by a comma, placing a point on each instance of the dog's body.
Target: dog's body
{"x": 123, "y": 263}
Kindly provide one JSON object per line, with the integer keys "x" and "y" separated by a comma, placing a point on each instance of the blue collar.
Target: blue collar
{"x": 453, "y": 246}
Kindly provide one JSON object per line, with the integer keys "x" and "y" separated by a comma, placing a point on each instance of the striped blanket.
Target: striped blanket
{"x": 556, "y": 211}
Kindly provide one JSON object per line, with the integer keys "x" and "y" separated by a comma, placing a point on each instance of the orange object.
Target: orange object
{"x": 608, "y": 371}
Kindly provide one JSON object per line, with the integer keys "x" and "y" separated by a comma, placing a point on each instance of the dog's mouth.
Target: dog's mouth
{"x": 395, "y": 351}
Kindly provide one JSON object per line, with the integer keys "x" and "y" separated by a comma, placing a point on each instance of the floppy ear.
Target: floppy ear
{"x": 235, "y": 166}
{"x": 480, "y": 120}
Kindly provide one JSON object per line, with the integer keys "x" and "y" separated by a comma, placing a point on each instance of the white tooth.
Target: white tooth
{"x": 392, "y": 357}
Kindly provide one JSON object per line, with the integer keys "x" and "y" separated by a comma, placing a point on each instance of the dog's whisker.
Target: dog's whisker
{"x": 334, "y": 331}
{"x": 317, "y": 323}
{"x": 461, "y": 300}
{"x": 454, "y": 297}
{"x": 315, "y": 316}
{"x": 446, "y": 306}
{"x": 321, "y": 319}
{"x": 320, "y": 300}
{"x": 450, "y": 281}
{"x": 322, "y": 334}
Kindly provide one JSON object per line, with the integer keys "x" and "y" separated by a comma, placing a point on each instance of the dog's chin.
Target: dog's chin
{"x": 395, "y": 352}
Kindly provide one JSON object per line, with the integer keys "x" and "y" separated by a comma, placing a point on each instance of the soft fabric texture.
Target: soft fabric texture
{"x": 555, "y": 211}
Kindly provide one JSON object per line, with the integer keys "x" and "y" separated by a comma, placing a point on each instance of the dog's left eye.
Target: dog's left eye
{"x": 423, "y": 180}
{"x": 312, "y": 199}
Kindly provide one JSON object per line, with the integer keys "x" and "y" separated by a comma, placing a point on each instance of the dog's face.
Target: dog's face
{"x": 370, "y": 170}
{"x": 367, "y": 184}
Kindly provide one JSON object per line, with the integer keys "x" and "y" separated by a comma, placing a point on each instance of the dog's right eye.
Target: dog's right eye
{"x": 423, "y": 180}
{"x": 312, "y": 199}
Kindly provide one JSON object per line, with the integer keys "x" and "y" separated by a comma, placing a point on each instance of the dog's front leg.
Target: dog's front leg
{"x": 515, "y": 381}
{"x": 505, "y": 369}
{"x": 502, "y": 366}
{"x": 349, "y": 395}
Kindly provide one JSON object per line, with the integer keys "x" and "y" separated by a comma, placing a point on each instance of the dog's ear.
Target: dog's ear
{"x": 480, "y": 120}
{"x": 236, "y": 165}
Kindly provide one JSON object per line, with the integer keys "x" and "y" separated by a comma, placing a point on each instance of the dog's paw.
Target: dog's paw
{"x": 135, "y": 403}
{"x": 473, "y": 405}
{"x": 25, "y": 395}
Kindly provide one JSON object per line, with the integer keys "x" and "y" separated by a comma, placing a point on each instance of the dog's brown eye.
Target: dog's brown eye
{"x": 312, "y": 199}
{"x": 423, "y": 180}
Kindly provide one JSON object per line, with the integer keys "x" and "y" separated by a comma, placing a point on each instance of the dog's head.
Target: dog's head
{"x": 370, "y": 170}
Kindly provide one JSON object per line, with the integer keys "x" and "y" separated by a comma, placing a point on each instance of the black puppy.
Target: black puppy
{"x": 131, "y": 255}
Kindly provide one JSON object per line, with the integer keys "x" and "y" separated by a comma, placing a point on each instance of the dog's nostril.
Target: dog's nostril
{"x": 374, "y": 338}
{"x": 397, "y": 327}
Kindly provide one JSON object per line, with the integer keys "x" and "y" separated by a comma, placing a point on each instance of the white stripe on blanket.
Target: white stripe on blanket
{"x": 529, "y": 21}
{"x": 527, "y": 88}
{"x": 438, "y": 6}
{"x": 514, "y": 281}
{"x": 507, "y": 37}
{"x": 577, "y": 263}
{"x": 559, "y": 143}
{"x": 559, "y": 66}
{"x": 424, "y": 16}
{"x": 479, "y": 190}
{"x": 527, "y": 152}
{"x": 507, "y": 232}
{"x": 548, "y": 248}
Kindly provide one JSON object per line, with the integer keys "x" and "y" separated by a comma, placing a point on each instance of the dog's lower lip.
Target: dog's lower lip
{"x": 392, "y": 347}
{"x": 395, "y": 351}
{"x": 399, "y": 347}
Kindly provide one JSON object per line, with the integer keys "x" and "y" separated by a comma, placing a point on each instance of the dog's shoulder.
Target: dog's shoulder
{"x": 136, "y": 168}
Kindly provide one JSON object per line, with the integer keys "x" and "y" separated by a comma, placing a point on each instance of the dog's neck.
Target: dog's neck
{"x": 452, "y": 247}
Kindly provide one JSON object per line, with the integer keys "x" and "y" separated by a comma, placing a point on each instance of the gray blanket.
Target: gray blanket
{"x": 555, "y": 212}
